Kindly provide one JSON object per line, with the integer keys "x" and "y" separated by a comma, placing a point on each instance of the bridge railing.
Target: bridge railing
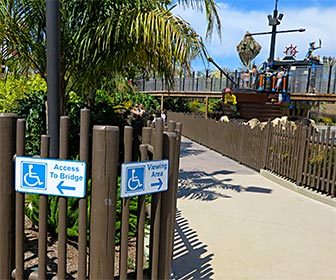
{"x": 183, "y": 84}
{"x": 312, "y": 79}
{"x": 301, "y": 79}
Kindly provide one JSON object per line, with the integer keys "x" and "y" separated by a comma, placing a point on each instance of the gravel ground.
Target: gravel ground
{"x": 31, "y": 253}
{"x": 329, "y": 109}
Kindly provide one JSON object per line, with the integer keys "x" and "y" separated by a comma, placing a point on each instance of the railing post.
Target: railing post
{"x": 140, "y": 241}
{"x": 183, "y": 83}
{"x": 193, "y": 81}
{"x": 143, "y": 82}
{"x": 220, "y": 80}
{"x": 329, "y": 78}
{"x": 302, "y": 141}
{"x": 43, "y": 218}
{"x": 334, "y": 87}
{"x": 156, "y": 205}
{"x": 62, "y": 202}
{"x": 105, "y": 157}
{"x": 20, "y": 206}
{"x": 206, "y": 107}
{"x": 267, "y": 133}
{"x": 154, "y": 81}
{"x": 308, "y": 80}
{"x": 167, "y": 206}
{"x": 82, "y": 219}
{"x": 125, "y": 204}
{"x": 7, "y": 194}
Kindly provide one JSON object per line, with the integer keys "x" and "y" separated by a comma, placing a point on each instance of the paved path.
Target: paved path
{"x": 233, "y": 223}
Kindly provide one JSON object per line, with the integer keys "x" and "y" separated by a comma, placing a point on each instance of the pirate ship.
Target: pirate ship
{"x": 264, "y": 93}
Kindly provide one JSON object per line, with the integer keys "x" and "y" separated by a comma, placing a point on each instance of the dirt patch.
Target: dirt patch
{"x": 329, "y": 109}
{"x": 31, "y": 254}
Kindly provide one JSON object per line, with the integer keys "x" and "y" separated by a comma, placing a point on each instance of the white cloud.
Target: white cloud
{"x": 319, "y": 24}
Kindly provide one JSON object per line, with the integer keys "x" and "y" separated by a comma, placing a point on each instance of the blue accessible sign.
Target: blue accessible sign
{"x": 50, "y": 176}
{"x": 144, "y": 177}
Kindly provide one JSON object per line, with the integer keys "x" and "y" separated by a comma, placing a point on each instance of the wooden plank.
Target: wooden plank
{"x": 290, "y": 150}
{"x": 314, "y": 167}
{"x": 311, "y": 155}
{"x": 313, "y": 97}
{"x": 319, "y": 155}
{"x": 278, "y": 150}
{"x": 325, "y": 159}
{"x": 283, "y": 150}
{"x": 272, "y": 147}
{"x": 330, "y": 161}
{"x": 333, "y": 182}
{"x": 294, "y": 155}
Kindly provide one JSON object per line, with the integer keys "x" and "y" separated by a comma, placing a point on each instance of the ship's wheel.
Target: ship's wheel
{"x": 291, "y": 50}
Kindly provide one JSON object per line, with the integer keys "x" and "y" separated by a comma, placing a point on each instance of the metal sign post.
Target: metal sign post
{"x": 53, "y": 73}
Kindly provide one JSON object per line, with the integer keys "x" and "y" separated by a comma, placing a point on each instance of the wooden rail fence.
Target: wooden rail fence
{"x": 158, "y": 142}
{"x": 303, "y": 155}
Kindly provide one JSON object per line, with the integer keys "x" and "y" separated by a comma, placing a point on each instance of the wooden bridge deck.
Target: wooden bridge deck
{"x": 254, "y": 104}
{"x": 322, "y": 97}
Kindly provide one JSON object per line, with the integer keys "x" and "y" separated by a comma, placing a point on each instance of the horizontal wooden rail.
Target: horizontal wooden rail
{"x": 192, "y": 94}
{"x": 323, "y": 97}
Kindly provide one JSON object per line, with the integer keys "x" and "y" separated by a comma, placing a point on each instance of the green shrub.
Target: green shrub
{"x": 27, "y": 96}
{"x": 15, "y": 90}
{"x": 325, "y": 120}
{"x": 108, "y": 110}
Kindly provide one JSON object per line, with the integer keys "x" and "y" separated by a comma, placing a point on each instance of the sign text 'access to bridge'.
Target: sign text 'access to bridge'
{"x": 50, "y": 176}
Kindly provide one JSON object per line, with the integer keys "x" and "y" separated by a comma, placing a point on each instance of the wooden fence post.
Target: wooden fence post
{"x": 156, "y": 205}
{"x": 82, "y": 219}
{"x": 206, "y": 115}
{"x": 302, "y": 135}
{"x": 43, "y": 218}
{"x": 167, "y": 206}
{"x": 125, "y": 204}
{"x": 62, "y": 202}
{"x": 268, "y": 131}
{"x": 105, "y": 157}
{"x": 7, "y": 194}
{"x": 20, "y": 207}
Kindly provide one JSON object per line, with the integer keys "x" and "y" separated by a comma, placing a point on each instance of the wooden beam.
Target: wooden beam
{"x": 329, "y": 97}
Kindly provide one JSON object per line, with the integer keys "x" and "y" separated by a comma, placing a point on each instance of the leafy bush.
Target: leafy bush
{"x": 176, "y": 104}
{"x": 27, "y": 96}
{"x": 109, "y": 109}
{"x": 14, "y": 90}
{"x": 326, "y": 120}
{"x": 33, "y": 110}
{"x": 195, "y": 106}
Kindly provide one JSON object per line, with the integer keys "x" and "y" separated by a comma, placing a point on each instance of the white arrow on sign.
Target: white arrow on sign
{"x": 50, "y": 176}
{"x": 144, "y": 177}
{"x": 159, "y": 183}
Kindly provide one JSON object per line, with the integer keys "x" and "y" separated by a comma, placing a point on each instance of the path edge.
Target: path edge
{"x": 299, "y": 189}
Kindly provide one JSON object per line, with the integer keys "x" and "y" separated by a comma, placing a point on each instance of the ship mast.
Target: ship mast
{"x": 274, "y": 21}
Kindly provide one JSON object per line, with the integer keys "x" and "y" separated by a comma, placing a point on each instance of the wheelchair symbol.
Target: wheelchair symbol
{"x": 135, "y": 181}
{"x": 34, "y": 176}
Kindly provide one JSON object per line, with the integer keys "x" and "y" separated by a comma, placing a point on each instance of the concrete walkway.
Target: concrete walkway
{"x": 233, "y": 223}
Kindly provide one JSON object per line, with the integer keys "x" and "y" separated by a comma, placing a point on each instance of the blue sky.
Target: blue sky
{"x": 318, "y": 17}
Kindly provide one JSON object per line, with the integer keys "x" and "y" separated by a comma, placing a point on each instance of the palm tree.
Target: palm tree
{"x": 100, "y": 38}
